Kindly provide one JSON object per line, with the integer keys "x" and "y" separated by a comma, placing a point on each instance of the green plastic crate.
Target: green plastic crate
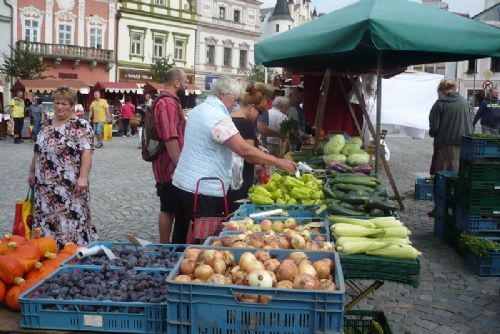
{"x": 480, "y": 175}
{"x": 360, "y": 322}
{"x": 478, "y": 201}
{"x": 381, "y": 268}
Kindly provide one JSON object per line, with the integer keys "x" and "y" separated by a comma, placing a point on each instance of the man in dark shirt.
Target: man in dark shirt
{"x": 489, "y": 114}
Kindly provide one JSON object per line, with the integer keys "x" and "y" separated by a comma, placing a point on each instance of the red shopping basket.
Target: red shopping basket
{"x": 203, "y": 226}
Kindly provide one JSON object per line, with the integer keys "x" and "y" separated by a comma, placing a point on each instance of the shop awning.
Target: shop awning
{"x": 191, "y": 88}
{"x": 49, "y": 85}
{"x": 119, "y": 87}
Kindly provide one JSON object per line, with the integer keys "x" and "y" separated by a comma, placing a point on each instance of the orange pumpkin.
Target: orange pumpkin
{"x": 27, "y": 256}
{"x": 56, "y": 261}
{"x": 45, "y": 245}
{"x": 69, "y": 248}
{"x": 3, "y": 247}
{"x": 3, "y": 290}
{"x": 12, "y": 296}
{"x": 40, "y": 271}
{"x": 10, "y": 268}
{"x": 13, "y": 238}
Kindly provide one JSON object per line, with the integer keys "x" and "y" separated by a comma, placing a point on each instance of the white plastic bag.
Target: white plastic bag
{"x": 237, "y": 172}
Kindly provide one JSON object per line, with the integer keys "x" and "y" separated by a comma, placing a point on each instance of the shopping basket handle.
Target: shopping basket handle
{"x": 195, "y": 204}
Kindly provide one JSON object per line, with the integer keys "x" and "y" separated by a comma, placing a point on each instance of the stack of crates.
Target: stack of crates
{"x": 471, "y": 203}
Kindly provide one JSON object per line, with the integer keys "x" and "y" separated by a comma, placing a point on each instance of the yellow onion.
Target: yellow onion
{"x": 216, "y": 242}
{"x": 265, "y": 299}
{"x": 285, "y": 284}
{"x": 247, "y": 298}
{"x": 312, "y": 245}
{"x": 192, "y": 253}
{"x": 272, "y": 264}
{"x": 183, "y": 279}
{"x": 254, "y": 265}
{"x": 282, "y": 242}
{"x": 257, "y": 240}
{"x": 219, "y": 266}
{"x": 203, "y": 272}
{"x": 207, "y": 256}
{"x": 239, "y": 244}
{"x": 287, "y": 270}
{"x": 246, "y": 259}
{"x": 262, "y": 255}
{"x": 322, "y": 269}
{"x": 298, "y": 242}
{"x": 306, "y": 268}
{"x": 229, "y": 258}
{"x": 187, "y": 266}
{"x": 306, "y": 235}
{"x": 326, "y": 284}
{"x": 297, "y": 257}
{"x": 239, "y": 277}
{"x": 217, "y": 279}
{"x": 260, "y": 278}
{"x": 306, "y": 282}
{"x": 320, "y": 237}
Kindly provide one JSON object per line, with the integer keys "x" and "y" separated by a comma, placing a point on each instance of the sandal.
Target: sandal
{"x": 98, "y": 145}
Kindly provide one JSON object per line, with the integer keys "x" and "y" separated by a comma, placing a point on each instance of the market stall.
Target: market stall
{"x": 188, "y": 101}
{"x": 43, "y": 89}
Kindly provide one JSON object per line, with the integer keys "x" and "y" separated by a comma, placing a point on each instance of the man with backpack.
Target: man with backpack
{"x": 162, "y": 143}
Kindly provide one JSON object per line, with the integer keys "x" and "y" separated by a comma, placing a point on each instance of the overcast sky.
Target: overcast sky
{"x": 326, "y": 6}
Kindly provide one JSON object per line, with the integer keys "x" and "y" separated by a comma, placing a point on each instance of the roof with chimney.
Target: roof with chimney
{"x": 281, "y": 11}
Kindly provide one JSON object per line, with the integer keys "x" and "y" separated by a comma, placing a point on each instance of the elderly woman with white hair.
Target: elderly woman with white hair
{"x": 210, "y": 140}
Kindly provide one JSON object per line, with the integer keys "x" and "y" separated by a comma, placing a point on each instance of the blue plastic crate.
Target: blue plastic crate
{"x": 204, "y": 308}
{"x": 441, "y": 181}
{"x": 150, "y": 249}
{"x": 470, "y": 222}
{"x": 293, "y": 210}
{"x": 472, "y": 148}
{"x": 91, "y": 315}
{"x": 439, "y": 225}
{"x": 424, "y": 189}
{"x": 484, "y": 266}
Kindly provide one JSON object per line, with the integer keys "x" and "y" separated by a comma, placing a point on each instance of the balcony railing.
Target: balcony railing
{"x": 73, "y": 52}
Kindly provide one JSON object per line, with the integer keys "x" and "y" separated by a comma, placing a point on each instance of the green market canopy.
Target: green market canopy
{"x": 403, "y": 32}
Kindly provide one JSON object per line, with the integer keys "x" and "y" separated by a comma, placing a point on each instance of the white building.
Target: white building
{"x": 6, "y": 31}
{"x": 285, "y": 15}
{"x": 152, "y": 29}
{"x": 226, "y": 33}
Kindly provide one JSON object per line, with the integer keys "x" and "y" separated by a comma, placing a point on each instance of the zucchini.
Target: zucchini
{"x": 354, "y": 199}
{"x": 353, "y": 187}
{"x": 329, "y": 193}
{"x": 335, "y": 208}
{"x": 374, "y": 203}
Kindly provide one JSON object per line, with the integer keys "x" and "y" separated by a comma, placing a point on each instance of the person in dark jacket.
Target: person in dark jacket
{"x": 449, "y": 120}
{"x": 489, "y": 114}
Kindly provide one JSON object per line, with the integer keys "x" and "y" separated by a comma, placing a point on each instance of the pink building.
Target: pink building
{"x": 76, "y": 38}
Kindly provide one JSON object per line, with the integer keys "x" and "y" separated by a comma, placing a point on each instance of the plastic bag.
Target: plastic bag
{"x": 237, "y": 172}
{"x": 107, "y": 132}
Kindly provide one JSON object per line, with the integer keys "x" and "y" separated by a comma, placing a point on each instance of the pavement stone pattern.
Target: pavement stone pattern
{"x": 450, "y": 298}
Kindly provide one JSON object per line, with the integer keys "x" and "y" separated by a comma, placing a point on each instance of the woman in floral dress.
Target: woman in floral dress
{"x": 59, "y": 174}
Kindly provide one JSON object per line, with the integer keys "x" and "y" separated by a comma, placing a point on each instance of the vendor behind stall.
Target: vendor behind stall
{"x": 210, "y": 140}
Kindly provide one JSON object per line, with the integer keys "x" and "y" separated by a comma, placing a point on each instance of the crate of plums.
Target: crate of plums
{"x": 93, "y": 298}
{"x": 152, "y": 256}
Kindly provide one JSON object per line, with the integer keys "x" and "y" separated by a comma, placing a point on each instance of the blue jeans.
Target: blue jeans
{"x": 36, "y": 127}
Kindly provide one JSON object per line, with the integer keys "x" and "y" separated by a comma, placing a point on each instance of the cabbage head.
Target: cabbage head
{"x": 351, "y": 148}
{"x": 358, "y": 159}
{"x": 335, "y": 145}
{"x": 356, "y": 140}
{"x": 334, "y": 157}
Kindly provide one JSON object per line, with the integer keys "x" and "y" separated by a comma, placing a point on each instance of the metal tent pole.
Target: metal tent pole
{"x": 379, "y": 112}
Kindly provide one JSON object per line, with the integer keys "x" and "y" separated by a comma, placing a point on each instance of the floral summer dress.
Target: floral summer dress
{"x": 58, "y": 209}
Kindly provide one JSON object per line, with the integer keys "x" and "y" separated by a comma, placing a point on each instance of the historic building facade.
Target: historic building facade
{"x": 225, "y": 38}
{"x": 76, "y": 38}
{"x": 285, "y": 15}
{"x": 6, "y": 31}
{"x": 153, "y": 29}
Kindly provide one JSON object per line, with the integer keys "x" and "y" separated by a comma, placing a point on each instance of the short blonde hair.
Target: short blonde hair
{"x": 65, "y": 93}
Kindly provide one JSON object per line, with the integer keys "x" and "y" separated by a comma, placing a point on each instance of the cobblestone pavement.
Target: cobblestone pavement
{"x": 450, "y": 298}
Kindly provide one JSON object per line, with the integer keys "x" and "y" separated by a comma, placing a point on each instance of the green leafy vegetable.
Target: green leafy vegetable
{"x": 479, "y": 246}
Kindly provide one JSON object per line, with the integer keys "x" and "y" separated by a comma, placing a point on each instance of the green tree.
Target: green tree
{"x": 257, "y": 73}
{"x": 160, "y": 66}
{"x": 23, "y": 64}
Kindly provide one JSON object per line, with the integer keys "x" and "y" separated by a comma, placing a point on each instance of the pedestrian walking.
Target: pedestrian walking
{"x": 99, "y": 114}
{"x": 169, "y": 126}
{"x": 127, "y": 111}
{"x": 59, "y": 173}
{"x": 489, "y": 114}
{"x": 17, "y": 114}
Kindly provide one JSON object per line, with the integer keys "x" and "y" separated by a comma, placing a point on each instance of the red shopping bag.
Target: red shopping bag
{"x": 23, "y": 218}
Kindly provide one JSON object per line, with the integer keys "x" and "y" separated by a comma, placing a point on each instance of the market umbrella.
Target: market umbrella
{"x": 379, "y": 34}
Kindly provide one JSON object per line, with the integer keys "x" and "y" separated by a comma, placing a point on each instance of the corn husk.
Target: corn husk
{"x": 354, "y": 221}
{"x": 361, "y": 247}
{"x": 348, "y": 230}
{"x": 403, "y": 252}
{"x": 391, "y": 241}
